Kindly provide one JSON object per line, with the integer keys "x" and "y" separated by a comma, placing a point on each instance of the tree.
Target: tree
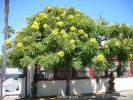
{"x": 6, "y": 11}
{"x": 58, "y": 37}
{"x": 55, "y": 37}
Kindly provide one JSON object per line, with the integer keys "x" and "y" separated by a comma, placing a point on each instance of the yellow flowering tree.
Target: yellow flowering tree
{"x": 55, "y": 37}
{"x": 58, "y": 37}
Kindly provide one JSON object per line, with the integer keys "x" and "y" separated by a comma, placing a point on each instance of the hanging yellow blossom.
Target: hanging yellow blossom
{"x": 61, "y": 53}
{"x": 130, "y": 55}
{"x": 100, "y": 57}
{"x": 63, "y": 31}
{"x": 35, "y": 25}
{"x": 72, "y": 41}
{"x": 80, "y": 31}
{"x": 65, "y": 35}
{"x": 8, "y": 41}
{"x": 127, "y": 25}
{"x": 86, "y": 35}
{"x": 45, "y": 26}
{"x": 64, "y": 12}
{"x": 55, "y": 32}
{"x": 62, "y": 15}
{"x": 72, "y": 28}
{"x": 117, "y": 44}
{"x": 92, "y": 40}
{"x": 70, "y": 17}
{"x": 60, "y": 23}
{"x": 42, "y": 15}
{"x": 19, "y": 44}
{"x": 73, "y": 46}
{"x": 124, "y": 41}
{"x": 57, "y": 18}
{"x": 49, "y": 8}
{"x": 17, "y": 32}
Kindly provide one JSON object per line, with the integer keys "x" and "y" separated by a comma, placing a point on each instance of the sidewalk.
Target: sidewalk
{"x": 123, "y": 95}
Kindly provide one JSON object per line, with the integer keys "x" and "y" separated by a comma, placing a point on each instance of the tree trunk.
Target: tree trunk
{"x": 6, "y": 11}
{"x": 68, "y": 78}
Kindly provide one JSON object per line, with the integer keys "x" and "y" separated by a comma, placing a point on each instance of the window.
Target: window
{"x": 46, "y": 73}
{"x": 84, "y": 72}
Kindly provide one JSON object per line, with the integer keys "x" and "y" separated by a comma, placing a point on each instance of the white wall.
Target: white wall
{"x": 82, "y": 86}
{"x": 20, "y": 91}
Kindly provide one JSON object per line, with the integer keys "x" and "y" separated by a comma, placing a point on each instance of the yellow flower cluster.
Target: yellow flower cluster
{"x": 117, "y": 44}
{"x": 92, "y": 40}
{"x": 17, "y": 32}
{"x": 35, "y": 25}
{"x": 49, "y": 8}
{"x": 72, "y": 28}
{"x": 60, "y": 23}
{"x": 73, "y": 46}
{"x": 70, "y": 17}
{"x": 57, "y": 18}
{"x": 45, "y": 26}
{"x": 80, "y": 31}
{"x": 43, "y": 15}
{"x": 8, "y": 41}
{"x": 130, "y": 55}
{"x": 65, "y": 35}
{"x": 100, "y": 57}
{"x": 61, "y": 53}
{"x": 55, "y": 32}
{"x": 77, "y": 10}
{"x": 72, "y": 41}
{"x": 63, "y": 14}
{"x": 127, "y": 25}
{"x": 63, "y": 32}
{"x": 124, "y": 41}
{"x": 19, "y": 44}
{"x": 86, "y": 35}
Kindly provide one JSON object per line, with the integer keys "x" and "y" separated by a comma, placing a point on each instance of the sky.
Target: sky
{"x": 111, "y": 10}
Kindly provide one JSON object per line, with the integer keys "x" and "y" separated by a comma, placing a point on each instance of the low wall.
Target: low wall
{"x": 83, "y": 86}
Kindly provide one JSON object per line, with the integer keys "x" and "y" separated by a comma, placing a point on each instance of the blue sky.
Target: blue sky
{"x": 112, "y": 10}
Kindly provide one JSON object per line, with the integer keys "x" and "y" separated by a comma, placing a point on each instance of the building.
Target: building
{"x": 52, "y": 82}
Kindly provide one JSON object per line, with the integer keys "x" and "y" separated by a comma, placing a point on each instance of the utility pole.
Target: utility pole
{"x": 6, "y": 12}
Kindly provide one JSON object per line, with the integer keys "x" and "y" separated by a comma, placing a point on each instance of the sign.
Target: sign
{"x": 10, "y": 72}
{"x": 14, "y": 71}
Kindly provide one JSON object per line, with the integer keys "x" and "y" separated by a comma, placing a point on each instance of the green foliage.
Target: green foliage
{"x": 111, "y": 83}
{"x": 57, "y": 35}
{"x": 54, "y": 30}
{"x": 34, "y": 85}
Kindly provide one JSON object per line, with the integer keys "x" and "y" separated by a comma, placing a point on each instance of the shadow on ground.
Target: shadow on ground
{"x": 107, "y": 96}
